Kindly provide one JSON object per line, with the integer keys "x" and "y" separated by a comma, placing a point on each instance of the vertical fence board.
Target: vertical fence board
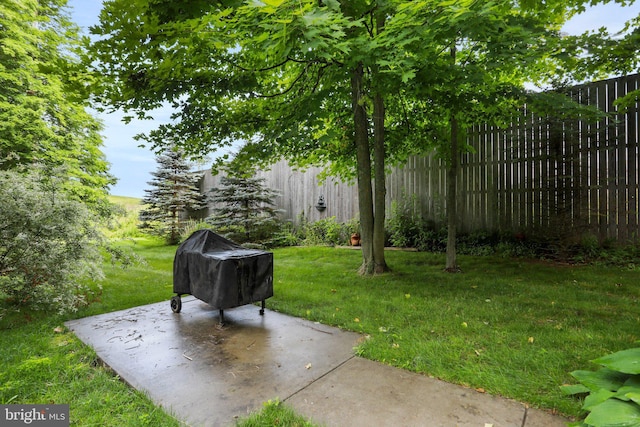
{"x": 612, "y": 166}
{"x": 545, "y": 201}
{"x": 582, "y": 161}
{"x": 508, "y": 183}
{"x": 536, "y": 173}
{"x": 594, "y": 173}
{"x": 621, "y": 164}
{"x": 602, "y": 162}
{"x": 632, "y": 140}
{"x": 483, "y": 177}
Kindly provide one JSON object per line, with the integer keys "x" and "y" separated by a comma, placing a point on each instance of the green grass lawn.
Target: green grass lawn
{"x": 510, "y": 327}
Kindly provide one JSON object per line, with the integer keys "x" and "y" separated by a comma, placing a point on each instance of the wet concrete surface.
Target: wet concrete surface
{"x": 206, "y": 374}
{"x": 209, "y": 375}
{"x": 373, "y": 394}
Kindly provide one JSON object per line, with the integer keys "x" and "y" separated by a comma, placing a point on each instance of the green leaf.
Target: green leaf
{"x": 632, "y": 385}
{"x": 614, "y": 413}
{"x": 627, "y": 361}
{"x": 447, "y": 3}
{"x": 635, "y": 396}
{"x": 407, "y": 75}
{"x": 596, "y": 398}
{"x": 574, "y": 389}
{"x": 602, "y": 379}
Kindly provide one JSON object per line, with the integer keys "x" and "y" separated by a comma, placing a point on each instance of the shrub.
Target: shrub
{"x": 287, "y": 236}
{"x": 613, "y": 391}
{"x": 477, "y": 243}
{"x": 48, "y": 244}
{"x": 326, "y": 231}
{"x": 431, "y": 240}
{"x": 407, "y": 228}
{"x": 404, "y": 226}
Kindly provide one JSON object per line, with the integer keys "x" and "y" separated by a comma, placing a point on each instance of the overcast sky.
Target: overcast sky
{"x": 132, "y": 165}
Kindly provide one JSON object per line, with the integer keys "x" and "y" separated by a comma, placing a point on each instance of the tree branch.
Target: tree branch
{"x": 273, "y": 67}
{"x": 320, "y": 73}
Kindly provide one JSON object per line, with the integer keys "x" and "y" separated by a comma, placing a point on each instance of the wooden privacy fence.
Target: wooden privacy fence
{"x": 560, "y": 179}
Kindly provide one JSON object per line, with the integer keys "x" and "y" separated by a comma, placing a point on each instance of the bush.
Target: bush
{"x": 407, "y": 229}
{"x": 404, "y": 226}
{"x": 48, "y": 244}
{"x": 613, "y": 392}
{"x": 287, "y": 236}
{"x": 326, "y": 231}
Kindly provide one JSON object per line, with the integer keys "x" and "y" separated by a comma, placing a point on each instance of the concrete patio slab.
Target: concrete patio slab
{"x": 365, "y": 393}
{"x": 208, "y": 375}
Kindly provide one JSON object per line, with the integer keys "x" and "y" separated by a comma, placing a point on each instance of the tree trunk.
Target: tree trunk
{"x": 379, "y": 167}
{"x": 451, "y": 265}
{"x": 363, "y": 156}
{"x": 452, "y": 211}
{"x": 380, "y": 185}
{"x": 173, "y": 232}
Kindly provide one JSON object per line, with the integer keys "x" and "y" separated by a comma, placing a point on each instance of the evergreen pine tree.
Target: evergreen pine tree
{"x": 245, "y": 209}
{"x": 174, "y": 192}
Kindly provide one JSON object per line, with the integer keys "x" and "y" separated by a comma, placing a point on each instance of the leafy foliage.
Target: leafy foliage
{"x": 602, "y": 53}
{"x": 326, "y": 231}
{"x": 123, "y": 224}
{"x": 613, "y": 391}
{"x": 48, "y": 244}
{"x": 193, "y": 225}
{"x": 245, "y": 209}
{"x": 349, "y": 85}
{"x": 174, "y": 192}
{"x": 407, "y": 228}
{"x": 42, "y": 94}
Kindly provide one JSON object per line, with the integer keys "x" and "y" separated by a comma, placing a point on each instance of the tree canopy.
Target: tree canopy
{"x": 602, "y": 53}
{"x": 43, "y": 95}
{"x": 350, "y": 84}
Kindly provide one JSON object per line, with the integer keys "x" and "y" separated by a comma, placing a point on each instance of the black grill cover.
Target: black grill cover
{"x": 221, "y": 272}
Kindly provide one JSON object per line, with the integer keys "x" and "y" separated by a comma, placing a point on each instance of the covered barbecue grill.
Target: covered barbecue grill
{"x": 221, "y": 273}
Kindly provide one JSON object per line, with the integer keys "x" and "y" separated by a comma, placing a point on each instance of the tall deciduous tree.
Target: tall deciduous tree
{"x": 173, "y": 193}
{"x": 276, "y": 72}
{"x": 469, "y": 62}
{"x": 42, "y": 97}
{"x": 356, "y": 83}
